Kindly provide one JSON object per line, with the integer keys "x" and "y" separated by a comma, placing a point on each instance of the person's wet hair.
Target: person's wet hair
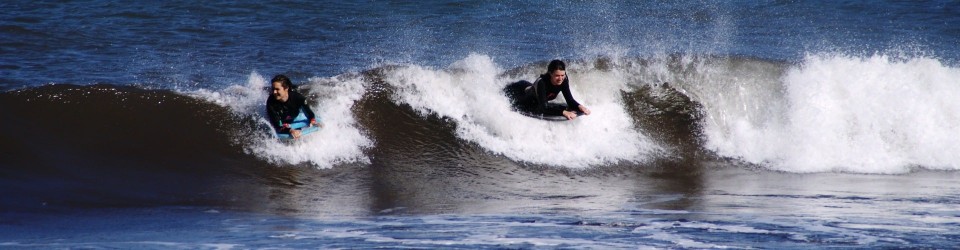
{"x": 283, "y": 80}
{"x": 555, "y": 65}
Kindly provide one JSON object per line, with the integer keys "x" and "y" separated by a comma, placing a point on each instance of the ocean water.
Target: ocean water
{"x": 739, "y": 124}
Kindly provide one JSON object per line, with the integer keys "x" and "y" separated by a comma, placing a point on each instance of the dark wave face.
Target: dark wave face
{"x": 67, "y": 146}
{"x": 105, "y": 145}
{"x": 108, "y": 145}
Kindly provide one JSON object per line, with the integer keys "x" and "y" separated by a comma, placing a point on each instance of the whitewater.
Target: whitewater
{"x": 892, "y": 115}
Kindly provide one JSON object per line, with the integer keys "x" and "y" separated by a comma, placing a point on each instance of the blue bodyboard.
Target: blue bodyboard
{"x": 303, "y": 124}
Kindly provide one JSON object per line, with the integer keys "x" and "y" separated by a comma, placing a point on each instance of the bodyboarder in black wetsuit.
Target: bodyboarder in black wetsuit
{"x": 285, "y": 104}
{"x": 534, "y": 97}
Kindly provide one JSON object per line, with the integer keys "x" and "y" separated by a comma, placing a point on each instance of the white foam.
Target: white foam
{"x": 872, "y": 114}
{"x": 339, "y": 141}
{"x": 681, "y": 241}
{"x": 470, "y": 93}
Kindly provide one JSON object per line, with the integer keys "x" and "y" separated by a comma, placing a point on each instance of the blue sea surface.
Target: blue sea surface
{"x": 184, "y": 44}
{"x": 732, "y": 124}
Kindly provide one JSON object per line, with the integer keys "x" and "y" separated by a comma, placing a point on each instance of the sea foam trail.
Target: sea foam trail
{"x": 874, "y": 114}
{"x": 469, "y": 93}
{"x": 339, "y": 141}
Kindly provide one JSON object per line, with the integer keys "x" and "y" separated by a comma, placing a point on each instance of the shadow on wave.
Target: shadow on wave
{"x": 106, "y": 145}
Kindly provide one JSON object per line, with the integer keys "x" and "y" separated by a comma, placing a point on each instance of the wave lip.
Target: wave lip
{"x": 469, "y": 93}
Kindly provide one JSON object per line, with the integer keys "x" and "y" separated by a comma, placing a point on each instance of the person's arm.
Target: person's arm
{"x": 301, "y": 103}
{"x": 571, "y": 103}
{"x": 310, "y": 115}
{"x": 307, "y": 111}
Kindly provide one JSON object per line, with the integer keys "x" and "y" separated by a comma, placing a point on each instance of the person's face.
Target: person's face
{"x": 279, "y": 92}
{"x": 557, "y": 76}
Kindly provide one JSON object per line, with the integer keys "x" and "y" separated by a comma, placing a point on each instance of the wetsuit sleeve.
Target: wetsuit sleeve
{"x": 308, "y": 112}
{"x": 572, "y": 104}
{"x": 306, "y": 108}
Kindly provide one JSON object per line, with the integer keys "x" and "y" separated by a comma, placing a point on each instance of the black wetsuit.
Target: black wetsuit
{"x": 533, "y": 97}
{"x": 282, "y": 113}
